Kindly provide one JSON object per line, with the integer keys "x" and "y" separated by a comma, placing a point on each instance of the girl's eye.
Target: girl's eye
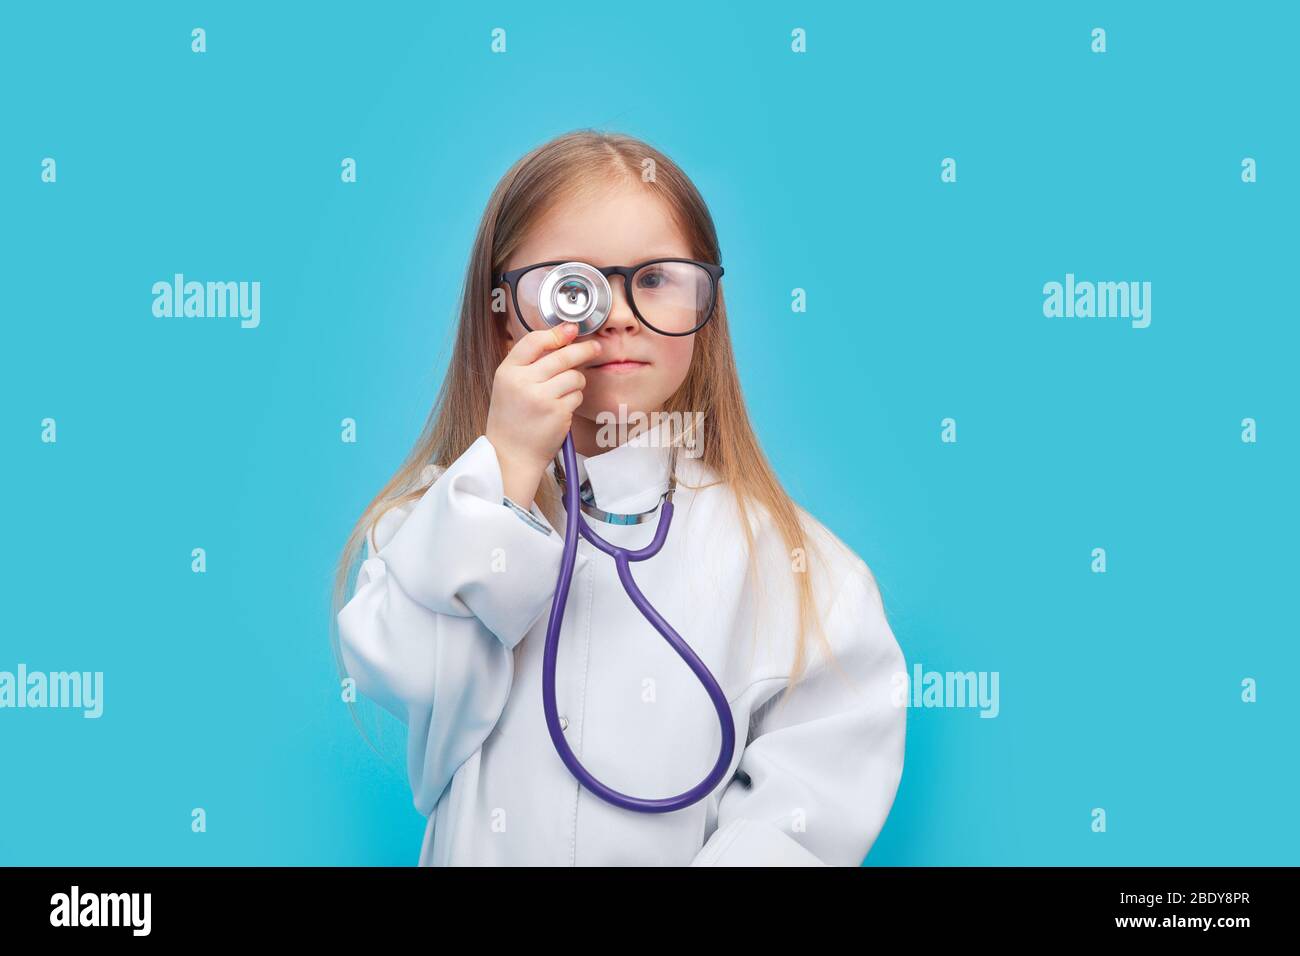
{"x": 652, "y": 279}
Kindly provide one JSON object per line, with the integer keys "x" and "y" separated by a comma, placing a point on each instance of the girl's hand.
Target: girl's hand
{"x": 535, "y": 392}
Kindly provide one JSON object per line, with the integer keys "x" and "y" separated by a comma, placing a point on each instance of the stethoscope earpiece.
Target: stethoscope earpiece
{"x": 577, "y": 293}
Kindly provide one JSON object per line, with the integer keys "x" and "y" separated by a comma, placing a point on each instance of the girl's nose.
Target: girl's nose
{"x": 620, "y": 312}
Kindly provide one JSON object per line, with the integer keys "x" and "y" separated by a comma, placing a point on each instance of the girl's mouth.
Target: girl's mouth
{"x": 624, "y": 365}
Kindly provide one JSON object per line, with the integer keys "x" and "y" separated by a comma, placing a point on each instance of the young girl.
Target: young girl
{"x": 446, "y": 625}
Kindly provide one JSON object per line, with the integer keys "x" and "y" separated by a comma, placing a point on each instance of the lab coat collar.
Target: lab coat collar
{"x": 632, "y": 476}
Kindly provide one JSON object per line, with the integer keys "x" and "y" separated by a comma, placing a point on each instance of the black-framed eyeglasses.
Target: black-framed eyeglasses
{"x": 669, "y": 296}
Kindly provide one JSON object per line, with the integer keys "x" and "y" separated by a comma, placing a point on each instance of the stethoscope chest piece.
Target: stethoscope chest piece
{"x": 577, "y": 293}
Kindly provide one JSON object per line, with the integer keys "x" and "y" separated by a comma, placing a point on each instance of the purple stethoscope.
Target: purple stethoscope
{"x": 578, "y": 293}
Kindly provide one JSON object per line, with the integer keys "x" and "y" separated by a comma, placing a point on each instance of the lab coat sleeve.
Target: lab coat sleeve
{"x": 820, "y": 774}
{"x": 449, "y": 584}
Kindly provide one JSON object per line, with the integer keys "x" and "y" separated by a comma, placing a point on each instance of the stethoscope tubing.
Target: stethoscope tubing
{"x": 573, "y": 527}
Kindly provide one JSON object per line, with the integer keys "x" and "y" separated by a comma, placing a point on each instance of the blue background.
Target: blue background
{"x": 1118, "y": 690}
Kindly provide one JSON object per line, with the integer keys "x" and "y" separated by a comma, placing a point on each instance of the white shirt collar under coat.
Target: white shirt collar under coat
{"x": 633, "y": 476}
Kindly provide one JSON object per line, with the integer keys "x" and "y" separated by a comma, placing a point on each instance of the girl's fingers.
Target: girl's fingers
{"x": 534, "y": 345}
{"x": 571, "y": 356}
{"x": 564, "y": 383}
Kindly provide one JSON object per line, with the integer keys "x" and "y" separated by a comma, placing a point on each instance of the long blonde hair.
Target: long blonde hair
{"x": 564, "y": 166}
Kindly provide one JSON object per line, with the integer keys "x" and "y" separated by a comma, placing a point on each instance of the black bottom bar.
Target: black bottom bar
{"x": 216, "y": 904}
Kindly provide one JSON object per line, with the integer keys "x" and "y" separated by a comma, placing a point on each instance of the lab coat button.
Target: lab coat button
{"x": 564, "y": 722}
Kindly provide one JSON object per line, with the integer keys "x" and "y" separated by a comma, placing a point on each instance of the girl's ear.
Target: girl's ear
{"x": 502, "y": 335}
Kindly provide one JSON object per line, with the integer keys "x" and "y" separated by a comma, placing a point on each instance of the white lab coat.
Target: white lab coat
{"x": 446, "y": 626}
